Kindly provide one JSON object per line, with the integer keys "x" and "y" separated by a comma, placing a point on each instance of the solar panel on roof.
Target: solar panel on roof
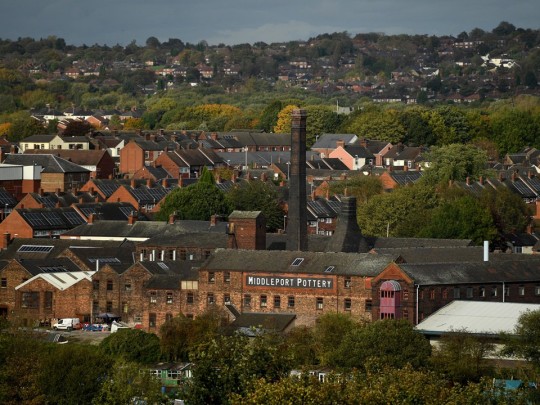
{"x": 53, "y": 218}
{"x": 35, "y": 249}
{"x": 47, "y": 202}
{"x": 108, "y": 188}
{"x": 163, "y": 265}
{"x": 104, "y": 260}
{"x": 126, "y": 211}
{"x": 74, "y": 218}
{"x": 88, "y": 211}
{"x": 35, "y": 219}
{"x": 522, "y": 188}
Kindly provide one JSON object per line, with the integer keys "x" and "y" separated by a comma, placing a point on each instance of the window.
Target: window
{"x": 152, "y": 320}
{"x": 168, "y": 316}
{"x": 277, "y": 301}
{"x": 482, "y": 292}
{"x": 297, "y": 261}
{"x": 183, "y": 255}
{"x": 226, "y": 299}
{"x": 469, "y": 292}
{"x": 445, "y": 293}
{"x": 368, "y": 305}
{"x": 494, "y": 291}
{"x": 211, "y": 277}
{"x": 189, "y": 298}
{"x": 172, "y": 254}
{"x": 30, "y": 300}
{"x": 227, "y": 277}
{"x": 95, "y": 307}
{"x": 405, "y": 313}
{"x": 95, "y": 285}
{"x": 537, "y": 290}
{"x": 506, "y": 291}
{"x": 247, "y": 300}
{"x": 109, "y": 306}
{"x": 48, "y": 302}
{"x": 521, "y": 291}
{"x": 405, "y": 294}
{"x": 319, "y": 303}
{"x": 153, "y": 297}
{"x": 263, "y": 301}
{"x": 457, "y": 292}
{"x": 125, "y": 307}
{"x": 432, "y": 294}
{"x": 3, "y": 282}
{"x": 290, "y": 301}
{"x": 109, "y": 285}
{"x": 169, "y": 298}
{"x": 348, "y": 282}
{"x": 210, "y": 298}
{"x": 347, "y": 304}
{"x": 127, "y": 287}
{"x": 421, "y": 293}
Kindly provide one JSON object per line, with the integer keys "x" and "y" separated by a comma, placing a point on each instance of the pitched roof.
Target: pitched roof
{"x": 329, "y": 141}
{"x": 56, "y": 265}
{"x": 77, "y": 156}
{"x": 267, "y": 321}
{"x": 254, "y": 261}
{"x": 51, "y": 218}
{"x": 50, "y": 163}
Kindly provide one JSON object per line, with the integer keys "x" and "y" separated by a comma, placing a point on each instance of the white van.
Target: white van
{"x": 67, "y": 324}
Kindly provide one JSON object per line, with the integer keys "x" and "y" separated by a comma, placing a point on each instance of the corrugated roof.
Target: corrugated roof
{"x": 60, "y": 280}
{"x": 475, "y": 317}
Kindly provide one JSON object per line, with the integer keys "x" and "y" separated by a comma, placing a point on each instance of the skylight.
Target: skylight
{"x": 297, "y": 261}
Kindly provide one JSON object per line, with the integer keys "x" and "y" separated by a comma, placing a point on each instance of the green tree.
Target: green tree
{"x": 77, "y": 128}
{"x": 508, "y": 210}
{"x": 258, "y": 195}
{"x": 397, "y": 214}
{"x": 383, "y": 125}
{"x": 133, "y": 344}
{"x": 461, "y": 357}
{"x": 126, "y": 384}
{"x": 525, "y": 340}
{"x": 328, "y": 334}
{"x": 22, "y": 126}
{"x": 360, "y": 186}
{"x": 389, "y": 342}
{"x": 461, "y": 218}
{"x": 78, "y": 369}
{"x": 454, "y": 162}
{"x": 198, "y": 201}
{"x": 320, "y": 119}
{"x": 269, "y": 116}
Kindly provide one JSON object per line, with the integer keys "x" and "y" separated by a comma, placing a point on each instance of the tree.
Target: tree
{"x": 398, "y": 213}
{"x": 389, "y": 342}
{"x": 77, "y": 128}
{"x": 508, "y": 210}
{"x": 525, "y": 340}
{"x": 258, "y": 195}
{"x": 360, "y": 186}
{"x": 462, "y": 218}
{"x": 328, "y": 334}
{"x": 320, "y": 119}
{"x": 461, "y": 356}
{"x": 383, "y": 125}
{"x": 128, "y": 384}
{"x": 133, "y": 345}
{"x": 454, "y": 162}
{"x": 284, "y": 120}
{"x": 269, "y": 116}
{"x": 22, "y": 126}
{"x": 197, "y": 201}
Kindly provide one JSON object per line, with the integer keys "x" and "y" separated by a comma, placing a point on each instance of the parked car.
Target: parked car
{"x": 67, "y": 324}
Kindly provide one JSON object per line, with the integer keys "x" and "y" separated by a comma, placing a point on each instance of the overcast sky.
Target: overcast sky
{"x": 240, "y": 21}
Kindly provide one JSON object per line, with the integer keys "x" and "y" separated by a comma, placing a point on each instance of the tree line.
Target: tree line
{"x": 385, "y": 361}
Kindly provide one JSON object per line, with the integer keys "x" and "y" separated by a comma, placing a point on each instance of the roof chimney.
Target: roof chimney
{"x": 132, "y": 183}
{"x": 172, "y": 218}
{"x": 132, "y": 218}
{"x": 341, "y": 143}
{"x": 91, "y": 218}
{"x": 4, "y": 241}
{"x": 164, "y": 183}
{"x": 149, "y": 183}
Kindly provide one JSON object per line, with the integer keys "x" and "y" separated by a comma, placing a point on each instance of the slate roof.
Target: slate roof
{"x": 143, "y": 229}
{"x": 77, "y": 156}
{"x": 326, "y": 164}
{"x": 329, "y": 141}
{"x": 387, "y": 243}
{"x": 254, "y": 261}
{"x": 50, "y": 163}
{"x": 42, "y": 138}
{"x": 57, "y": 246}
{"x": 59, "y": 264}
{"x": 258, "y": 138}
{"x": 120, "y": 258}
{"x": 359, "y": 151}
{"x": 266, "y": 321}
{"x": 168, "y": 275}
{"x": 478, "y": 272}
{"x": 6, "y": 198}
{"x": 108, "y": 211}
{"x": 51, "y": 218}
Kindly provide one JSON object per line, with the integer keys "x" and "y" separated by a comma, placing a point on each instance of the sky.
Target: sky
{"x": 247, "y": 21}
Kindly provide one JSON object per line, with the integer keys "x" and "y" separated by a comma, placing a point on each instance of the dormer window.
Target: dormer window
{"x": 297, "y": 261}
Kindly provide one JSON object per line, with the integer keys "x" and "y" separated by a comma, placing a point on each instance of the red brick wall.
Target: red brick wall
{"x": 16, "y": 226}
{"x": 168, "y": 164}
{"x": 131, "y": 158}
{"x": 123, "y": 195}
{"x": 14, "y": 274}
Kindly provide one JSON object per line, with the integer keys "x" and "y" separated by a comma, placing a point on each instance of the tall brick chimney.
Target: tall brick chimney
{"x": 297, "y": 216}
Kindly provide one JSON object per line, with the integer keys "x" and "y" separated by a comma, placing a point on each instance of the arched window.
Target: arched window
{"x": 390, "y": 293}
